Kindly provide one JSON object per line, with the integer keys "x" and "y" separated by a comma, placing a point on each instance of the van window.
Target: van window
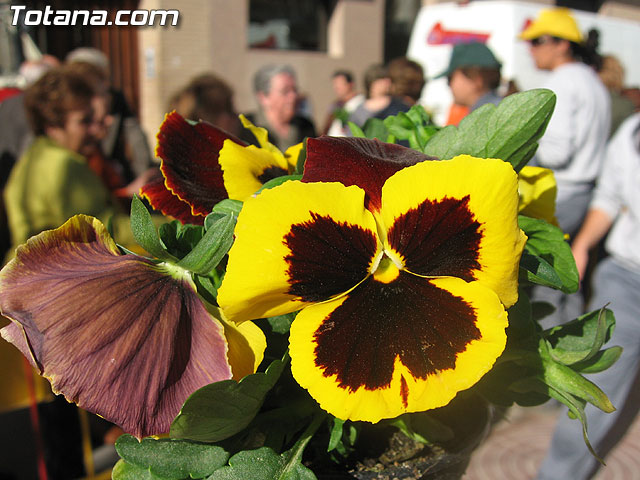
{"x": 289, "y": 24}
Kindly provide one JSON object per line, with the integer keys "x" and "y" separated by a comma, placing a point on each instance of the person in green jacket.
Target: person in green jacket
{"x": 52, "y": 181}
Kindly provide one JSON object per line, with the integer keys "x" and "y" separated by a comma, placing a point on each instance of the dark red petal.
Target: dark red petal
{"x": 327, "y": 257}
{"x": 169, "y": 204}
{"x": 424, "y": 326}
{"x": 189, "y": 154}
{"x": 439, "y": 238}
{"x": 116, "y": 334}
{"x": 357, "y": 161}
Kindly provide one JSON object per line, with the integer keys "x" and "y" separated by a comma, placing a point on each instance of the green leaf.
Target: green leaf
{"x": 577, "y": 409}
{"x": 207, "y": 287}
{"x": 125, "y": 471}
{"x": 263, "y": 464}
{"x": 563, "y": 379}
{"x": 302, "y": 158}
{"x": 171, "y": 459}
{"x": 546, "y": 242}
{"x": 336, "y": 434}
{"x": 415, "y": 126}
{"x": 580, "y": 339}
{"x": 145, "y": 233}
{"x": 180, "y": 239}
{"x": 505, "y": 385}
{"x": 222, "y": 409}
{"x": 222, "y": 209}
{"x": 356, "y": 131}
{"x": 423, "y": 427}
{"x": 540, "y": 310}
{"x": 274, "y": 182}
{"x": 212, "y": 247}
{"x": 534, "y": 269}
{"x": 375, "y": 128}
{"x": 599, "y": 362}
{"x": 521, "y": 327}
{"x": 509, "y": 131}
{"x": 282, "y": 323}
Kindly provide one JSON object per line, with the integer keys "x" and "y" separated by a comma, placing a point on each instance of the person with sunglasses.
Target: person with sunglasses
{"x": 574, "y": 143}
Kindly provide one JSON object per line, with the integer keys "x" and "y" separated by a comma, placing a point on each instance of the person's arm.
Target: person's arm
{"x": 595, "y": 226}
{"x": 606, "y": 203}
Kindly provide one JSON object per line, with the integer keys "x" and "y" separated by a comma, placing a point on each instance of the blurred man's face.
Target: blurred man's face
{"x": 342, "y": 87}
{"x": 282, "y": 97}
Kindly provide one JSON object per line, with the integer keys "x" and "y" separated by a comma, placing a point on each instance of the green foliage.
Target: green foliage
{"x": 509, "y": 131}
{"x": 264, "y": 464}
{"x": 125, "y": 471}
{"x": 167, "y": 459}
{"x": 262, "y": 424}
{"x": 547, "y": 258}
{"x": 539, "y": 365}
{"x": 423, "y": 427}
{"x": 179, "y": 239}
{"x": 414, "y": 126}
{"x": 222, "y": 409}
{"x": 145, "y": 233}
{"x": 222, "y": 209}
{"x": 212, "y": 247}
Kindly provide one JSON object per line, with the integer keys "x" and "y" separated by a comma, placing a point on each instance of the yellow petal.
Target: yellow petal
{"x": 537, "y": 188}
{"x": 296, "y": 244}
{"x": 246, "y": 342}
{"x": 391, "y": 348}
{"x": 291, "y": 154}
{"x": 261, "y": 135}
{"x": 456, "y": 218}
{"x": 246, "y": 169}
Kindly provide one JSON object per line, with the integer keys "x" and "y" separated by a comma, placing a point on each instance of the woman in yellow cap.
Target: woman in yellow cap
{"x": 573, "y": 145}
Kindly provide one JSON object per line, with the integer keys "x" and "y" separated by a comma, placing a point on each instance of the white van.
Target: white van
{"x": 497, "y": 23}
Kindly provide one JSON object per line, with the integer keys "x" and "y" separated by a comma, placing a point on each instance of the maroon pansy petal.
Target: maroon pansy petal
{"x": 396, "y": 344}
{"x": 439, "y": 238}
{"x": 116, "y": 334}
{"x": 425, "y": 327}
{"x": 357, "y": 161}
{"x": 189, "y": 154}
{"x": 164, "y": 201}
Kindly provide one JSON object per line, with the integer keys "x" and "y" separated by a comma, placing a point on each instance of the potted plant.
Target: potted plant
{"x": 350, "y": 308}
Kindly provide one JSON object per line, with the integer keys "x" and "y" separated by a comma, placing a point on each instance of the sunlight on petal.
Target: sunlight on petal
{"x": 297, "y": 244}
{"x": 391, "y": 348}
{"x": 537, "y": 189}
{"x": 449, "y": 223}
{"x": 246, "y": 169}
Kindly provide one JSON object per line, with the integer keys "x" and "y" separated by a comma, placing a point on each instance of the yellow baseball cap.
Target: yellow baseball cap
{"x": 557, "y": 22}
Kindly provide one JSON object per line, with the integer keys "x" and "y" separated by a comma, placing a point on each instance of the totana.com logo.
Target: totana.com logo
{"x": 51, "y": 17}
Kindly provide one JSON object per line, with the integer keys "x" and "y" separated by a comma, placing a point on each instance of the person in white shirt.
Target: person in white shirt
{"x": 574, "y": 144}
{"x": 615, "y": 208}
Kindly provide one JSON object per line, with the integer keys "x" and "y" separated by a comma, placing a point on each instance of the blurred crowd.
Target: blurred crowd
{"x": 70, "y": 143}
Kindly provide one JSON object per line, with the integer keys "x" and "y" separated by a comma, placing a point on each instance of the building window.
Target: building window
{"x": 289, "y": 24}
